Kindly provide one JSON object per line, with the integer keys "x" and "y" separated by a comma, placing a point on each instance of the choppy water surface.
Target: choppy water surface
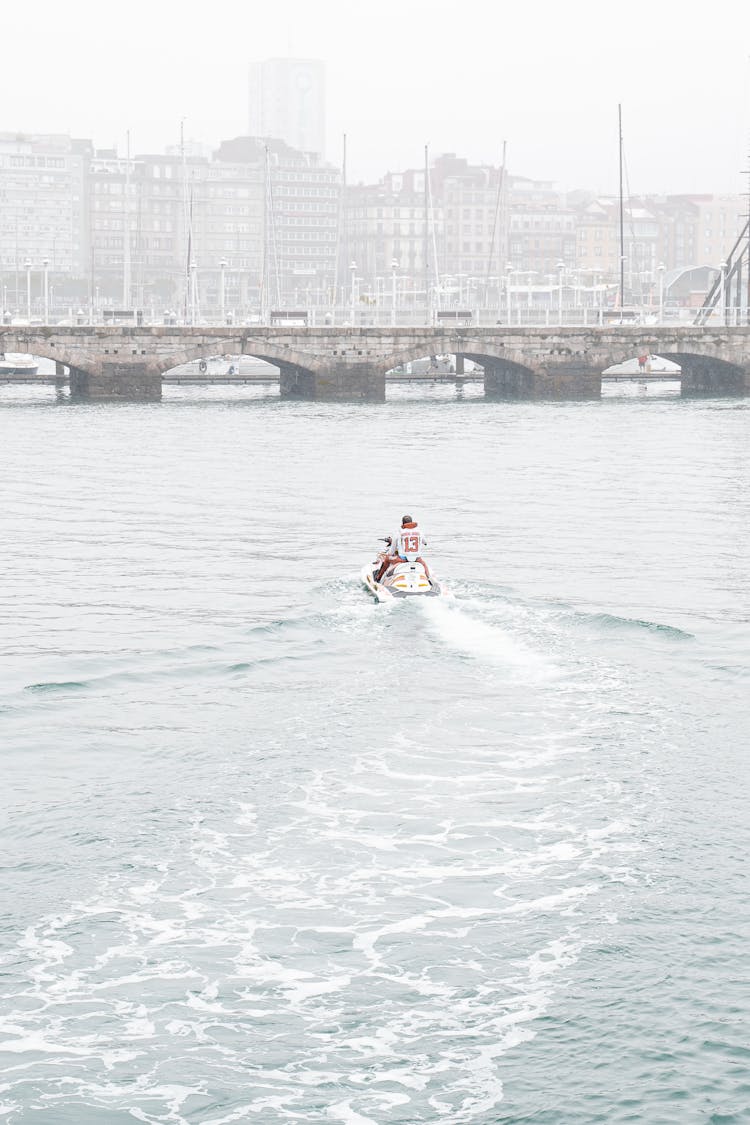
{"x": 276, "y": 854}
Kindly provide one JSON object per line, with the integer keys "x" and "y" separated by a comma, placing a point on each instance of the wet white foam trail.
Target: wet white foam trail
{"x": 464, "y": 631}
{"x": 388, "y": 925}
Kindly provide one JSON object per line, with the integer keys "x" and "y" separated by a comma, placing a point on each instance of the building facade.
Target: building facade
{"x": 393, "y": 235}
{"x": 473, "y": 226}
{"x": 43, "y": 213}
{"x": 287, "y": 102}
{"x": 257, "y": 223}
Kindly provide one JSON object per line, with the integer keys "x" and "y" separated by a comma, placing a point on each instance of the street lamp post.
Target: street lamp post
{"x": 660, "y": 270}
{"x": 222, "y": 290}
{"x": 560, "y": 269}
{"x": 353, "y": 290}
{"x": 599, "y": 299}
{"x": 508, "y": 272}
{"x": 45, "y": 264}
{"x": 394, "y": 288}
{"x": 27, "y": 264}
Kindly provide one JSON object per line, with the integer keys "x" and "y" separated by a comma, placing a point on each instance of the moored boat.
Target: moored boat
{"x": 12, "y": 364}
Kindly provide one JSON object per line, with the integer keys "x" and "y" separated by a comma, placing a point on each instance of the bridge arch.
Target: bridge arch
{"x": 291, "y": 363}
{"x": 707, "y": 374}
{"x": 77, "y": 363}
{"x": 703, "y": 371}
{"x": 494, "y": 358}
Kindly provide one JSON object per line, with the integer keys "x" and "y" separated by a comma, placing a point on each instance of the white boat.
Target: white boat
{"x": 403, "y": 580}
{"x": 13, "y": 364}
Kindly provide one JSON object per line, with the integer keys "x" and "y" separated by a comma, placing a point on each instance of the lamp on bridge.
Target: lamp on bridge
{"x": 45, "y": 265}
{"x": 394, "y": 287}
{"x": 222, "y": 290}
{"x": 27, "y": 266}
{"x": 660, "y": 270}
{"x": 508, "y": 273}
{"x": 353, "y": 290}
{"x": 560, "y": 270}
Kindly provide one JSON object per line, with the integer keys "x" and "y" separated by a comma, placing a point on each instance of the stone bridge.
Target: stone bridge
{"x": 351, "y": 363}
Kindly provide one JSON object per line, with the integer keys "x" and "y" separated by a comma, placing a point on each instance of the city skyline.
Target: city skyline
{"x": 546, "y": 82}
{"x": 256, "y": 224}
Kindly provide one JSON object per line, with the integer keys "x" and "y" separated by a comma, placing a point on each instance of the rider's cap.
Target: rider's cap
{"x": 406, "y": 519}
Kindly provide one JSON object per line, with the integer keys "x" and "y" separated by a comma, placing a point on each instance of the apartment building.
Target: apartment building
{"x": 542, "y": 229}
{"x": 387, "y": 230}
{"x": 42, "y": 212}
{"x": 481, "y": 224}
{"x": 253, "y": 210}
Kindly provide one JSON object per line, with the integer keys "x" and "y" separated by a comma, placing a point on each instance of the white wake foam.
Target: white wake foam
{"x": 465, "y": 633}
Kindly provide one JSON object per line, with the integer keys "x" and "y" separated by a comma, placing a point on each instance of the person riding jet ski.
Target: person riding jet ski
{"x": 405, "y": 546}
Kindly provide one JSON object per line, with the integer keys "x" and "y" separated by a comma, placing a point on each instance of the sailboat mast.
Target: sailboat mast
{"x": 126, "y": 234}
{"x": 739, "y": 295}
{"x": 498, "y": 236}
{"x": 428, "y": 304}
{"x": 185, "y": 280}
{"x": 339, "y": 265}
{"x": 265, "y": 273}
{"x": 503, "y": 245}
{"x": 622, "y": 217}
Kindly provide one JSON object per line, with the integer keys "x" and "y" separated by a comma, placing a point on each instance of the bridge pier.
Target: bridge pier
{"x": 701, "y": 376}
{"x": 503, "y": 380}
{"x": 118, "y": 382}
{"x": 339, "y": 383}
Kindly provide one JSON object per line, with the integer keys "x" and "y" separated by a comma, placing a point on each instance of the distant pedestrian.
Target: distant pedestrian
{"x": 642, "y": 361}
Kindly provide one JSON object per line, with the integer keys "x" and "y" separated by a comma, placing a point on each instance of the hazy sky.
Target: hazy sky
{"x": 462, "y": 76}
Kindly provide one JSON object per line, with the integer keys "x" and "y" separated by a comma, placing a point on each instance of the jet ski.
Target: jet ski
{"x": 402, "y": 580}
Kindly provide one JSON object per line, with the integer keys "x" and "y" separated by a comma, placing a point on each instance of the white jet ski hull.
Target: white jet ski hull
{"x": 408, "y": 580}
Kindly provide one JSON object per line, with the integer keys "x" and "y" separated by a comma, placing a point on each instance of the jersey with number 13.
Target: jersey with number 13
{"x": 409, "y": 543}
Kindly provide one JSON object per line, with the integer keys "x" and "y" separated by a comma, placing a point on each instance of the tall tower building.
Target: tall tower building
{"x": 287, "y": 101}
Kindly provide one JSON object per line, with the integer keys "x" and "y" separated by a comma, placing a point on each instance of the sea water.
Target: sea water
{"x": 274, "y": 853}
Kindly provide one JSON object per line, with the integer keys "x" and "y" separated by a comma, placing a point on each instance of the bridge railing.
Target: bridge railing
{"x": 521, "y": 315}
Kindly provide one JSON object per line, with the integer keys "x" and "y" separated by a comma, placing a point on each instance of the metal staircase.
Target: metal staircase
{"x": 730, "y": 293}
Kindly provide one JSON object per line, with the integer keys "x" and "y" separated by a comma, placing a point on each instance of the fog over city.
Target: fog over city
{"x": 464, "y": 77}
